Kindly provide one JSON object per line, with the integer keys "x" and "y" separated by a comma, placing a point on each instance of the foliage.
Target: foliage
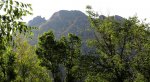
{"x": 117, "y": 44}
{"x": 95, "y": 78}
{"x": 49, "y": 51}
{"x": 27, "y": 63}
{"x": 122, "y": 50}
{"x": 11, "y": 17}
{"x": 7, "y": 69}
{"x": 142, "y": 61}
{"x": 11, "y": 13}
{"x": 59, "y": 52}
{"x": 71, "y": 58}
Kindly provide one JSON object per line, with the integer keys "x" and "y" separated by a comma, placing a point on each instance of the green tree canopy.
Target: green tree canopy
{"x": 117, "y": 43}
{"x": 54, "y": 53}
{"x": 11, "y": 13}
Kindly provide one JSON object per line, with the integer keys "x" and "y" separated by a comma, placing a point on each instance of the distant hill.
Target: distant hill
{"x": 64, "y": 22}
{"x": 37, "y": 21}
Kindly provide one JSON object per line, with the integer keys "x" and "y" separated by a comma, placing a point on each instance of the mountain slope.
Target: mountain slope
{"x": 64, "y": 22}
{"x": 37, "y": 21}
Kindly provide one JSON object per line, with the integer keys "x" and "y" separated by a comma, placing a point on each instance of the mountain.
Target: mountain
{"x": 37, "y": 21}
{"x": 64, "y": 22}
{"x": 118, "y": 18}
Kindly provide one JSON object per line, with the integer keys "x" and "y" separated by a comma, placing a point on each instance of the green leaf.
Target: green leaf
{"x": 10, "y": 8}
{"x": 17, "y": 3}
{"x": 5, "y": 9}
{"x": 31, "y": 8}
{"x": 22, "y": 5}
{"x": 1, "y": 5}
{"x": 11, "y": 2}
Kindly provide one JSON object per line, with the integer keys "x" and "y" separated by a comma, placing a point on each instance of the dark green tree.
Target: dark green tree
{"x": 64, "y": 52}
{"x": 71, "y": 56}
{"x": 142, "y": 60}
{"x": 51, "y": 53}
{"x": 8, "y": 66}
{"x": 117, "y": 43}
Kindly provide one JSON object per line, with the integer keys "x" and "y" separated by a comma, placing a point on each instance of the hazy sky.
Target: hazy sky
{"x": 125, "y": 8}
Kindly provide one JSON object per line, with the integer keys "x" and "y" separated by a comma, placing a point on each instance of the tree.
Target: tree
{"x": 11, "y": 18}
{"x": 142, "y": 60}
{"x": 27, "y": 63}
{"x": 7, "y": 69}
{"x": 54, "y": 53}
{"x": 117, "y": 44}
{"x": 10, "y": 23}
{"x": 95, "y": 78}
{"x": 71, "y": 56}
{"x": 51, "y": 53}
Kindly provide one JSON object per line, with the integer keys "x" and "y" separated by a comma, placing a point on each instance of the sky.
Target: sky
{"x": 124, "y": 8}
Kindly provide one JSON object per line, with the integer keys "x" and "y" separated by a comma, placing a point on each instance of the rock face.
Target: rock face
{"x": 64, "y": 22}
{"x": 37, "y": 21}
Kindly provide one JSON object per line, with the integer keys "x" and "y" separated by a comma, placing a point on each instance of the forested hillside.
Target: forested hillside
{"x": 120, "y": 47}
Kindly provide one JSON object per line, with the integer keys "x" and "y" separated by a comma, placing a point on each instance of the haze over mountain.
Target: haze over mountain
{"x": 64, "y": 22}
{"x": 37, "y": 21}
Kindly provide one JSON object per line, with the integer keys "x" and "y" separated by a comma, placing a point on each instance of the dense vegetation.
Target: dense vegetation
{"x": 122, "y": 50}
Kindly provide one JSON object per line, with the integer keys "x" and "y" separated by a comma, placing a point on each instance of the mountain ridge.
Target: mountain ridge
{"x": 64, "y": 22}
